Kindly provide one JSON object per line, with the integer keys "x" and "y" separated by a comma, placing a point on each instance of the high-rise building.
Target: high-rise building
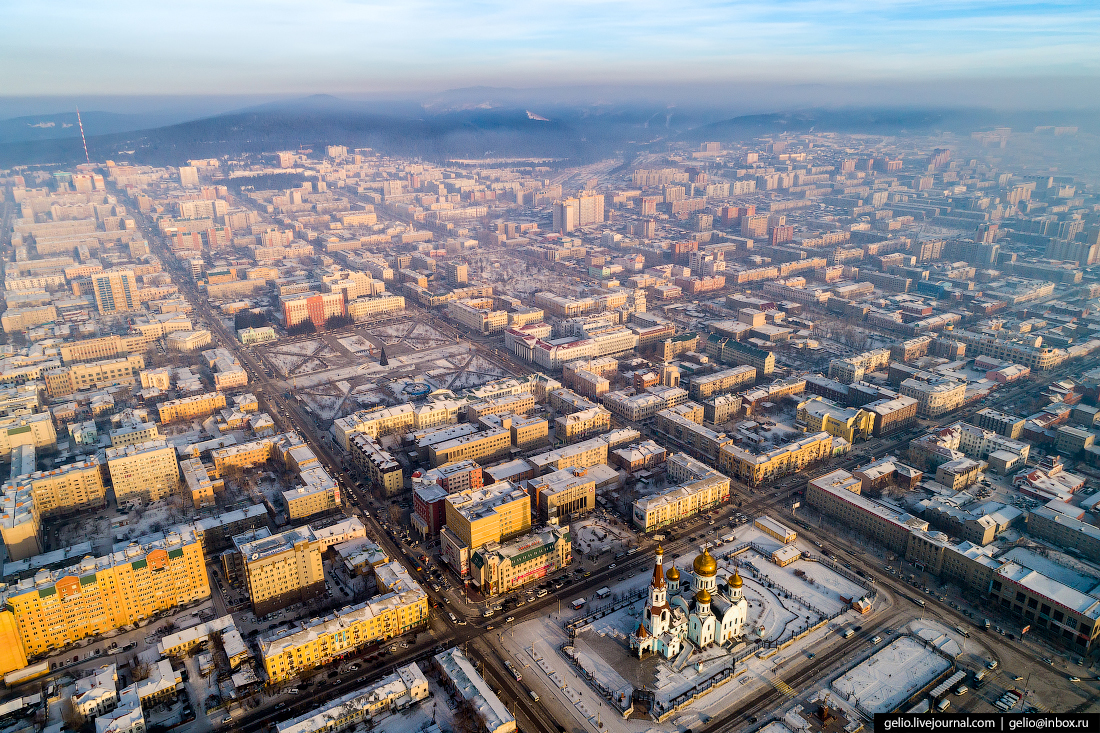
{"x": 189, "y": 175}
{"x": 566, "y": 215}
{"x": 590, "y": 209}
{"x": 115, "y": 290}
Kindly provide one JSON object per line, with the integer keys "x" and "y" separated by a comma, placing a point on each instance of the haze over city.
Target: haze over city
{"x": 549, "y": 367}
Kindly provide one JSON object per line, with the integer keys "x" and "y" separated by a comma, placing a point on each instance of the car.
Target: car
{"x": 612, "y": 566}
{"x": 510, "y": 619}
{"x": 227, "y": 720}
{"x": 754, "y": 719}
{"x": 876, "y": 639}
{"x": 1075, "y": 679}
{"x": 810, "y": 655}
{"x": 490, "y": 627}
{"x": 587, "y": 573}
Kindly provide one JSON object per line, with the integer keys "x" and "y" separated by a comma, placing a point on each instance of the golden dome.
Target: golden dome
{"x": 735, "y": 580}
{"x": 702, "y": 596}
{"x": 660, "y": 550}
{"x": 673, "y": 573}
{"x": 705, "y": 564}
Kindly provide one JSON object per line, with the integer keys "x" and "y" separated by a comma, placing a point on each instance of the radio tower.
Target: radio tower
{"x": 82, "y": 138}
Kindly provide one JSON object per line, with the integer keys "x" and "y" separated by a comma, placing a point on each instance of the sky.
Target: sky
{"x": 93, "y": 47}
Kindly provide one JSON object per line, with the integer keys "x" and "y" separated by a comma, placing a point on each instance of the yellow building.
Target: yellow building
{"x": 68, "y": 488}
{"x": 484, "y": 446}
{"x": 283, "y": 569}
{"x": 289, "y": 652}
{"x": 752, "y": 468}
{"x": 57, "y": 608}
{"x": 476, "y": 516}
{"x": 104, "y": 347}
{"x": 362, "y": 308}
{"x": 377, "y": 465}
{"x": 115, "y": 290}
{"x": 20, "y": 524}
{"x": 134, "y": 434}
{"x": 517, "y": 404}
{"x": 582, "y": 425}
{"x": 36, "y": 430}
{"x": 698, "y": 488}
{"x": 144, "y": 472}
{"x": 189, "y": 408}
{"x": 727, "y": 380}
{"x": 313, "y": 497}
{"x": 499, "y": 568}
{"x": 199, "y": 485}
{"x": 105, "y": 373}
{"x": 821, "y": 415}
{"x": 561, "y": 494}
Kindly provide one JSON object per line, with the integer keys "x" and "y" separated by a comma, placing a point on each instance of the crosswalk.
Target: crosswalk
{"x": 782, "y": 686}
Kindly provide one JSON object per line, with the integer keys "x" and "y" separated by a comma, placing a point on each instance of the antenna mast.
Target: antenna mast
{"x": 82, "y": 138}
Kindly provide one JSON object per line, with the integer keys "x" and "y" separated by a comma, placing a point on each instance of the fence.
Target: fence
{"x": 576, "y": 624}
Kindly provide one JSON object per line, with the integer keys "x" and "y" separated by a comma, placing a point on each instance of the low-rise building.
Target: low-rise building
{"x": 461, "y": 678}
{"x": 698, "y": 488}
{"x": 376, "y": 464}
{"x": 190, "y": 408}
{"x": 397, "y": 691}
{"x": 288, "y": 652}
{"x": 581, "y": 425}
{"x": 500, "y": 568}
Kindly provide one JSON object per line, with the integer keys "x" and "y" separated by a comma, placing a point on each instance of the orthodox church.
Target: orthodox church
{"x": 704, "y": 613}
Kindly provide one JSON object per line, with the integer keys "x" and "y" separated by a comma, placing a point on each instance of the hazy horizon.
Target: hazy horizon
{"x": 424, "y": 47}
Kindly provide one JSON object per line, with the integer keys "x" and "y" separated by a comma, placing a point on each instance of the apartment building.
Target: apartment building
{"x": 115, "y": 291}
{"x": 318, "y": 494}
{"x": 311, "y": 306}
{"x": 20, "y": 525}
{"x": 69, "y": 488}
{"x": 517, "y": 404}
{"x": 1026, "y": 350}
{"x": 853, "y": 368}
{"x": 398, "y": 419}
{"x": 478, "y": 315}
{"x": 491, "y": 514}
{"x": 892, "y": 415}
{"x": 721, "y": 408}
{"x": 681, "y": 428}
{"x": 582, "y": 425}
{"x": 198, "y": 486}
{"x": 732, "y": 351}
{"x": 377, "y": 465}
{"x": 1065, "y": 531}
{"x": 190, "y": 408}
{"x": 727, "y": 380}
{"x": 288, "y": 652}
{"x": 820, "y": 415}
{"x": 699, "y": 488}
{"x": 393, "y": 693}
{"x": 753, "y": 468}
{"x": 644, "y": 405}
{"x": 500, "y": 568}
{"x": 935, "y": 397}
{"x": 282, "y": 569}
{"x": 587, "y": 453}
{"x": 57, "y": 608}
{"x": 562, "y": 494}
{"x": 144, "y": 472}
{"x": 1001, "y": 423}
